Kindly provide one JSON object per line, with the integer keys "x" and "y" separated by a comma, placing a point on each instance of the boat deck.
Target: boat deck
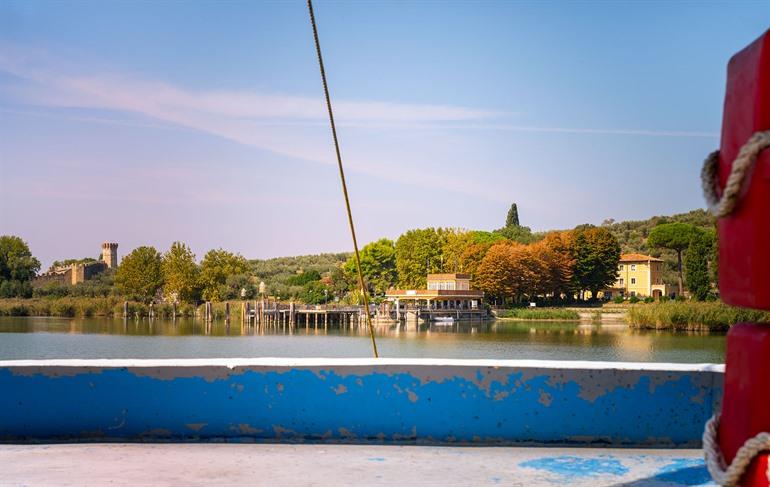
{"x": 207, "y": 464}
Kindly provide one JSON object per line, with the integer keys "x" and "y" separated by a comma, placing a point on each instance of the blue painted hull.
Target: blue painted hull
{"x": 459, "y": 402}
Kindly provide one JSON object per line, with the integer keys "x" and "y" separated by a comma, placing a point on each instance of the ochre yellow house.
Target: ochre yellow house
{"x": 638, "y": 275}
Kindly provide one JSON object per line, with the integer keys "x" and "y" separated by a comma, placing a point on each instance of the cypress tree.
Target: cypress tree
{"x": 512, "y": 220}
{"x": 696, "y": 265}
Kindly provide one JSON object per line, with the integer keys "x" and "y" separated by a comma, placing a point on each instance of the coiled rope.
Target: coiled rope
{"x": 741, "y": 168}
{"x": 342, "y": 178}
{"x": 729, "y": 476}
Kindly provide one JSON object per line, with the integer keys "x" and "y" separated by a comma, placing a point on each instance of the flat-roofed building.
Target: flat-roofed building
{"x": 444, "y": 292}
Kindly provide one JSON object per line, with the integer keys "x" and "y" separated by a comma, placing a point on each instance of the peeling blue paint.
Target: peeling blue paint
{"x": 440, "y": 404}
{"x": 571, "y": 468}
{"x": 685, "y": 471}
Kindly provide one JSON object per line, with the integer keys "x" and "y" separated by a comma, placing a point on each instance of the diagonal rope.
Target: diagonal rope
{"x": 342, "y": 178}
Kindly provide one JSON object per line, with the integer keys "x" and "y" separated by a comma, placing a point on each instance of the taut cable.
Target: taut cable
{"x": 342, "y": 178}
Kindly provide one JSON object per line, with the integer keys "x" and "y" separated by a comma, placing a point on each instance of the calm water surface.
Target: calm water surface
{"x": 39, "y": 338}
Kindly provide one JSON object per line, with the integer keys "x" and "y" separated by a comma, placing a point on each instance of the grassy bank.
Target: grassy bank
{"x": 84, "y": 307}
{"x": 691, "y": 316}
{"x": 539, "y": 314}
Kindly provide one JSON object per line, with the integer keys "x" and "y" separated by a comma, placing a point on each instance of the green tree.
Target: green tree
{"x": 17, "y": 267}
{"x": 313, "y": 293}
{"x": 520, "y": 234}
{"x": 216, "y": 267}
{"x": 378, "y": 265}
{"x": 180, "y": 273}
{"x": 139, "y": 273}
{"x": 673, "y": 236}
{"x": 596, "y": 253}
{"x": 456, "y": 241}
{"x": 239, "y": 286}
{"x": 696, "y": 264}
{"x": 512, "y": 219}
{"x": 484, "y": 237}
{"x": 303, "y": 278}
{"x": 341, "y": 283}
{"x": 418, "y": 253}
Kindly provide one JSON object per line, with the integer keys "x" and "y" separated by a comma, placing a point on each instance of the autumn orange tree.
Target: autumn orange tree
{"x": 556, "y": 250}
{"x": 495, "y": 272}
{"x": 471, "y": 258}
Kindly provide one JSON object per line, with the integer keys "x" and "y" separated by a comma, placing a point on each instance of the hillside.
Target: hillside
{"x": 632, "y": 236}
{"x": 276, "y": 272}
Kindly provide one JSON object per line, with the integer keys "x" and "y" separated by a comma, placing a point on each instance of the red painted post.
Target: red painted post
{"x": 744, "y": 235}
{"x": 744, "y": 259}
{"x": 746, "y": 401}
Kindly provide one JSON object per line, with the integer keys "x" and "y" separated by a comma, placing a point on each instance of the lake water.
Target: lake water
{"x": 47, "y": 338}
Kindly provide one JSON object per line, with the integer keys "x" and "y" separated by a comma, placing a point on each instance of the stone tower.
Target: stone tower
{"x": 110, "y": 254}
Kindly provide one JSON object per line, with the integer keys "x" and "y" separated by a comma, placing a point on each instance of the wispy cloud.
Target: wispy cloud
{"x": 292, "y": 126}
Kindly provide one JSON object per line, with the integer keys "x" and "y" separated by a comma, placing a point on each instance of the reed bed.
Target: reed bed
{"x": 691, "y": 316}
{"x": 539, "y": 314}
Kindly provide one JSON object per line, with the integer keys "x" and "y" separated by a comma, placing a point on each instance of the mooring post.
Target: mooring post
{"x": 744, "y": 262}
{"x": 125, "y": 309}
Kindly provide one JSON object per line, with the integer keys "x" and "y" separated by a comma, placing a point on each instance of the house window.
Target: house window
{"x": 621, "y": 267}
{"x": 633, "y": 293}
{"x": 633, "y": 267}
{"x": 621, "y": 281}
{"x": 633, "y": 280}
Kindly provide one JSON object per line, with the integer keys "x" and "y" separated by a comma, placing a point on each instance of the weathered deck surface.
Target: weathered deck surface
{"x": 340, "y": 465}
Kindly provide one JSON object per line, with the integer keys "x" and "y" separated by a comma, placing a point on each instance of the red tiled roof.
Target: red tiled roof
{"x": 638, "y": 258}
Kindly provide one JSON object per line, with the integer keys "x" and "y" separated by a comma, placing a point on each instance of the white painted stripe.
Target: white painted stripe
{"x": 358, "y": 362}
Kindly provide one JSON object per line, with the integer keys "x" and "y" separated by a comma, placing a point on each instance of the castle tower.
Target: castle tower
{"x": 110, "y": 254}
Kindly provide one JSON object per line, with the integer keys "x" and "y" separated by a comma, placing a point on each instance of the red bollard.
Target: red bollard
{"x": 746, "y": 402}
{"x": 744, "y": 235}
{"x": 744, "y": 259}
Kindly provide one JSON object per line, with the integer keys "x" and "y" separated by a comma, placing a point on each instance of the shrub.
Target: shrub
{"x": 649, "y": 299}
{"x": 618, "y": 300}
{"x": 633, "y": 300}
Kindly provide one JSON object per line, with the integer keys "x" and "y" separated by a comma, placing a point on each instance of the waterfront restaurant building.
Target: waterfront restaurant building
{"x": 444, "y": 291}
{"x": 638, "y": 275}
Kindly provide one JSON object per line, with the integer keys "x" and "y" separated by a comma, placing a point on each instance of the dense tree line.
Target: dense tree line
{"x": 510, "y": 264}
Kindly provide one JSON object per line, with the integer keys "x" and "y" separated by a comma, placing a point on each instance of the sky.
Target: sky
{"x": 146, "y": 123}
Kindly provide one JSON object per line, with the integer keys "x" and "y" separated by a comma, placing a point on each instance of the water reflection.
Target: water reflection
{"x": 144, "y": 338}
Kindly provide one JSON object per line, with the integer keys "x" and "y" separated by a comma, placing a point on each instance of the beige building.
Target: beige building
{"x": 110, "y": 254}
{"x": 82, "y": 270}
{"x": 444, "y": 291}
{"x": 638, "y": 275}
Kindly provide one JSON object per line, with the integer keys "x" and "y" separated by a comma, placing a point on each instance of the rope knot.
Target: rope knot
{"x": 739, "y": 173}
